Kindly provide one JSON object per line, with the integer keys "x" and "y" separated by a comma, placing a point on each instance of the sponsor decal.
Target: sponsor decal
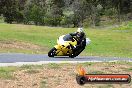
{"x": 83, "y": 78}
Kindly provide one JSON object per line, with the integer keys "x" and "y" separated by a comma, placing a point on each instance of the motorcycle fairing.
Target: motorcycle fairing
{"x": 62, "y": 47}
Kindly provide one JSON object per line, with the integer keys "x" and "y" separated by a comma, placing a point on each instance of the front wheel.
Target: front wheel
{"x": 52, "y": 52}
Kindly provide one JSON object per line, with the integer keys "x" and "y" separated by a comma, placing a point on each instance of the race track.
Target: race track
{"x": 7, "y": 59}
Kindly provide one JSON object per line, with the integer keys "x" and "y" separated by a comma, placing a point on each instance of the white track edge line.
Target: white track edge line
{"x": 47, "y": 62}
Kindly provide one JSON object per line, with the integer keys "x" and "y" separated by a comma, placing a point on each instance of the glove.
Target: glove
{"x": 74, "y": 46}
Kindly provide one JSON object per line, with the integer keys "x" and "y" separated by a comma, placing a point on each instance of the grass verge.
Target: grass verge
{"x": 64, "y": 76}
{"x": 105, "y": 42}
{"x": 7, "y": 72}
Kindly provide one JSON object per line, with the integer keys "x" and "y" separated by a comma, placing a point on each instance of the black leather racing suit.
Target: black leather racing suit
{"x": 81, "y": 43}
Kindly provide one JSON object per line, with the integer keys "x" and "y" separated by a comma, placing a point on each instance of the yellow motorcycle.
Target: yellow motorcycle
{"x": 64, "y": 46}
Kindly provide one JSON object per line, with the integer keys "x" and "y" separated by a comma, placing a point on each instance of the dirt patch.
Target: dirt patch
{"x": 62, "y": 77}
{"x": 20, "y": 46}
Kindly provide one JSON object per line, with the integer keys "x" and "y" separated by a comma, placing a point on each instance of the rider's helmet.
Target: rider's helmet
{"x": 80, "y": 30}
{"x": 80, "y": 33}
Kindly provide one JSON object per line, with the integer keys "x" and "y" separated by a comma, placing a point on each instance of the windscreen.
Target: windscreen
{"x": 67, "y": 37}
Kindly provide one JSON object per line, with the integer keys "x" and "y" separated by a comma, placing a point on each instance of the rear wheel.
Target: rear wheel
{"x": 72, "y": 56}
{"x": 52, "y": 52}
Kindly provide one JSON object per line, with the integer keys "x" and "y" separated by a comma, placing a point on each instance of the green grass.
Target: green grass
{"x": 53, "y": 66}
{"x": 124, "y": 26}
{"x": 31, "y": 67}
{"x": 96, "y": 72}
{"x": 43, "y": 84}
{"x": 7, "y": 72}
{"x": 32, "y": 71}
{"x": 104, "y": 42}
{"x": 87, "y": 64}
{"x": 130, "y": 69}
{"x": 106, "y": 86}
{"x": 57, "y": 79}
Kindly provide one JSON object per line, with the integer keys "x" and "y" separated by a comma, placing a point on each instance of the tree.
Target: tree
{"x": 54, "y": 12}
{"x": 34, "y": 12}
{"x": 64, "y": 12}
{"x": 121, "y": 7}
{"x": 81, "y": 11}
{"x": 84, "y": 9}
{"x": 9, "y": 10}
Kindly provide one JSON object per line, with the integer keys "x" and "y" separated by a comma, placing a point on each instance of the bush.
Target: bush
{"x": 66, "y": 21}
{"x": 52, "y": 21}
{"x": 124, "y": 26}
{"x": 1, "y": 19}
{"x": 86, "y": 22}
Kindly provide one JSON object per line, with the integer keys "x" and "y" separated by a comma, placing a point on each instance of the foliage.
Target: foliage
{"x": 67, "y": 13}
{"x": 1, "y": 19}
{"x": 55, "y": 12}
{"x": 7, "y": 73}
{"x": 34, "y": 11}
{"x": 125, "y": 26}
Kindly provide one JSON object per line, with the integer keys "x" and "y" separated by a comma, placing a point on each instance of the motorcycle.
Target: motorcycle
{"x": 65, "y": 44}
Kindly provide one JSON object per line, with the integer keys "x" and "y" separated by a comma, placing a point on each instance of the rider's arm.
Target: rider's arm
{"x": 73, "y": 34}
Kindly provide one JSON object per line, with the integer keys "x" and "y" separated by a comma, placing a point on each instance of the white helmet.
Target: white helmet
{"x": 80, "y": 30}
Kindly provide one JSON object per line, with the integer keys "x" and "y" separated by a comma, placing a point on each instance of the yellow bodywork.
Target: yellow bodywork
{"x": 62, "y": 49}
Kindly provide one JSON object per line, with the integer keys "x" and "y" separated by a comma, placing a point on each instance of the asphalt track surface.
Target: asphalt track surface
{"x": 19, "y": 57}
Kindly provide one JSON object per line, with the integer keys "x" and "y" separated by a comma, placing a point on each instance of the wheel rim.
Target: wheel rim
{"x": 53, "y": 53}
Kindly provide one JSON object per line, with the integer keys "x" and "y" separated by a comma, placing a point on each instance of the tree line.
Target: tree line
{"x": 67, "y": 13}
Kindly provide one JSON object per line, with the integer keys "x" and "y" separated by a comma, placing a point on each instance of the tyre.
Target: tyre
{"x": 72, "y": 56}
{"x": 81, "y": 80}
{"x": 52, "y": 52}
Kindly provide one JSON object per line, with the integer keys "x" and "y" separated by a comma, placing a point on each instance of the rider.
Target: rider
{"x": 81, "y": 41}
